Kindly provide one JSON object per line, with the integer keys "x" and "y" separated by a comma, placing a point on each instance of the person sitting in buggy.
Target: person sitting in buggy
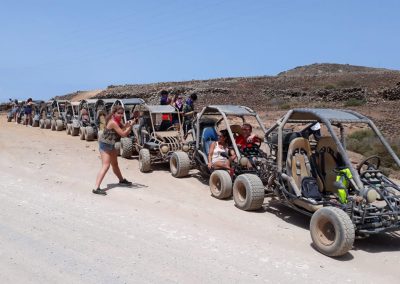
{"x": 85, "y": 115}
{"x": 218, "y": 152}
{"x": 246, "y": 137}
{"x": 247, "y": 142}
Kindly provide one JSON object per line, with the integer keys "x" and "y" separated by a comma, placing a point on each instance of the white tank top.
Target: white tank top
{"x": 216, "y": 156}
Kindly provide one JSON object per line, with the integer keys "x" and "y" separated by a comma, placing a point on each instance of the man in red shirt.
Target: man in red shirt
{"x": 246, "y": 137}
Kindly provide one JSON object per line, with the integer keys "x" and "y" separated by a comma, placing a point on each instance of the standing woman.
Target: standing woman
{"x": 28, "y": 112}
{"x": 113, "y": 132}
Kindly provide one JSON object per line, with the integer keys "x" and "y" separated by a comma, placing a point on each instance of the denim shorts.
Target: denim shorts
{"x": 104, "y": 147}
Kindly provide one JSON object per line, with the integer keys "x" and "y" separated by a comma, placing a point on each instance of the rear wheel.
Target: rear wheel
{"x": 53, "y": 125}
{"x": 59, "y": 125}
{"x": 144, "y": 160}
{"x": 332, "y": 231}
{"x": 179, "y": 164}
{"x": 82, "y": 133}
{"x": 74, "y": 131}
{"x": 89, "y": 133}
{"x": 47, "y": 123}
{"x": 248, "y": 192}
{"x": 68, "y": 129}
{"x": 126, "y": 150}
{"x": 221, "y": 184}
{"x": 117, "y": 147}
{"x": 41, "y": 123}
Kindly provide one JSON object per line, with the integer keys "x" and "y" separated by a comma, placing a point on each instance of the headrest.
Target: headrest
{"x": 236, "y": 129}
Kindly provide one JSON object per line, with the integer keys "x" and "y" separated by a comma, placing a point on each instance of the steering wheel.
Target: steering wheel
{"x": 171, "y": 128}
{"x": 371, "y": 163}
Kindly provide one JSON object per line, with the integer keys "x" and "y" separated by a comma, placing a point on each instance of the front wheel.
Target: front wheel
{"x": 220, "y": 184}
{"x": 179, "y": 164}
{"x": 144, "y": 160}
{"x": 126, "y": 150}
{"x": 332, "y": 231}
{"x": 248, "y": 192}
{"x": 89, "y": 133}
{"x": 82, "y": 133}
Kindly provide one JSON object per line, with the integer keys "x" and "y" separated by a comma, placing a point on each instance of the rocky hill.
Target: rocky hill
{"x": 331, "y": 69}
{"x": 373, "y": 91}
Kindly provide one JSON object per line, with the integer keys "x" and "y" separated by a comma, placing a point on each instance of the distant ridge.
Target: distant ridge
{"x": 331, "y": 69}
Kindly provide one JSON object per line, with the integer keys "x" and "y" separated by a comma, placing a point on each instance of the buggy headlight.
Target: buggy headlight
{"x": 185, "y": 147}
{"x": 164, "y": 149}
{"x": 243, "y": 161}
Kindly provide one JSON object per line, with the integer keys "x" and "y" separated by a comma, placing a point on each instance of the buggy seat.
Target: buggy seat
{"x": 209, "y": 135}
{"x": 328, "y": 159}
{"x": 298, "y": 162}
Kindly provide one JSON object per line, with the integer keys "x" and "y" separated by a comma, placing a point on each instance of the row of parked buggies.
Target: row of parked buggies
{"x": 313, "y": 176}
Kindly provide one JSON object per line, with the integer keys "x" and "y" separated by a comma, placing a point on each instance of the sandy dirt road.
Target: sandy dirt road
{"x": 162, "y": 230}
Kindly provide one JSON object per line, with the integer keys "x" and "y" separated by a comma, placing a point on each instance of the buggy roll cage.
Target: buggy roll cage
{"x": 160, "y": 109}
{"x": 329, "y": 117}
{"x": 127, "y": 103}
{"x": 225, "y": 111}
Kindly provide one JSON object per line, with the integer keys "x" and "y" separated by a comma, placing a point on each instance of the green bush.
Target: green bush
{"x": 330, "y": 87}
{"x": 347, "y": 84}
{"x": 354, "y": 102}
{"x": 285, "y": 106}
{"x": 367, "y": 144}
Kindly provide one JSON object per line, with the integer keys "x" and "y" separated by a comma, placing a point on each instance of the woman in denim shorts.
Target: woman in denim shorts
{"x": 112, "y": 133}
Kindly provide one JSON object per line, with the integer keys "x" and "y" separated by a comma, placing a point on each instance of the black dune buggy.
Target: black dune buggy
{"x": 317, "y": 178}
{"x": 246, "y": 181}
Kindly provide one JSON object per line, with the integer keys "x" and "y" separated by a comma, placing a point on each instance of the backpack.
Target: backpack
{"x": 309, "y": 188}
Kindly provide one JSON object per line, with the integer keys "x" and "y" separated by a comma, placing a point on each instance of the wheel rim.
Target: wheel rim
{"x": 241, "y": 191}
{"x": 326, "y": 232}
{"x": 173, "y": 165}
{"x": 215, "y": 184}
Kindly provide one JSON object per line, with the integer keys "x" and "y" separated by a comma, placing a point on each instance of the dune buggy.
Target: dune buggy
{"x": 36, "y": 106}
{"x": 87, "y": 120}
{"x": 316, "y": 177}
{"x": 15, "y": 110}
{"x": 248, "y": 175}
{"x": 58, "y": 115}
{"x": 45, "y": 115}
{"x": 157, "y": 137}
{"x": 72, "y": 118}
{"x": 128, "y": 145}
{"x": 102, "y": 108}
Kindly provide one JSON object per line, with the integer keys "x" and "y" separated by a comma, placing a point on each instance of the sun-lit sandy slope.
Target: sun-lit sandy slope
{"x": 54, "y": 230}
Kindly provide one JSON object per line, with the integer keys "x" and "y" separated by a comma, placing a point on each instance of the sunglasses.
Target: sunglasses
{"x": 120, "y": 113}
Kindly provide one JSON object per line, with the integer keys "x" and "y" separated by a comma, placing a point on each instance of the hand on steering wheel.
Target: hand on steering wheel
{"x": 255, "y": 141}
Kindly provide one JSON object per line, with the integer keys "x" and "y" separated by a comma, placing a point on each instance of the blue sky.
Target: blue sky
{"x": 51, "y": 48}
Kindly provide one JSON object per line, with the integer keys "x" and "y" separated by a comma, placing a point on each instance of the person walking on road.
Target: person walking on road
{"x": 28, "y": 112}
{"x": 112, "y": 133}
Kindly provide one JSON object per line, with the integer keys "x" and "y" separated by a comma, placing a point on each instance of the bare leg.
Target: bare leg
{"x": 106, "y": 160}
{"x": 222, "y": 165}
{"x": 114, "y": 165}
